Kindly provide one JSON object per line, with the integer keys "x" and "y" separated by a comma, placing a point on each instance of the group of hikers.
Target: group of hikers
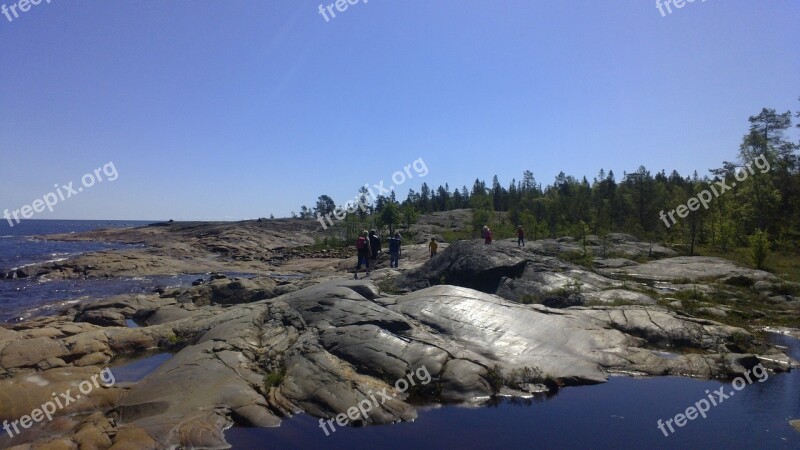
{"x": 486, "y": 233}
{"x": 368, "y": 246}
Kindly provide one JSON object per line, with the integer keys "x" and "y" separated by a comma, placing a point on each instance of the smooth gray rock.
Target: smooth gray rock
{"x": 333, "y": 346}
{"x": 615, "y": 245}
{"x": 470, "y": 264}
{"x": 103, "y": 318}
{"x": 692, "y": 268}
{"x": 224, "y": 291}
{"x": 30, "y": 352}
{"x": 619, "y": 295}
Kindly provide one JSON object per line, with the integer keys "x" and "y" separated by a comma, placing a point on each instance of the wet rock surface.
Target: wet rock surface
{"x": 327, "y": 347}
{"x": 481, "y": 320}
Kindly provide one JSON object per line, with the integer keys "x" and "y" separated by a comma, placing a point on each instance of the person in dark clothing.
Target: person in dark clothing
{"x": 375, "y": 244}
{"x": 520, "y": 237}
{"x": 394, "y": 250}
{"x": 363, "y": 251}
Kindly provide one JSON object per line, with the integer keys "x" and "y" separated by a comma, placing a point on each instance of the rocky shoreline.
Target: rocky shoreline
{"x": 483, "y": 320}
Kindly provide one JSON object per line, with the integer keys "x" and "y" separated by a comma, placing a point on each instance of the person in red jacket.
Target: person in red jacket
{"x": 520, "y": 237}
{"x": 363, "y": 250}
{"x": 487, "y": 239}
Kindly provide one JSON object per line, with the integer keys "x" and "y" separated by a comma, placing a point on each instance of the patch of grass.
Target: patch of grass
{"x": 518, "y": 378}
{"x": 408, "y": 235}
{"x": 740, "y": 281}
{"x": 573, "y": 287}
{"x": 274, "y": 378}
{"x": 530, "y": 299}
{"x": 175, "y": 341}
{"x": 579, "y": 258}
{"x": 786, "y": 288}
{"x": 387, "y": 285}
{"x": 745, "y": 307}
{"x": 456, "y": 235}
{"x": 615, "y": 302}
{"x": 495, "y": 378}
{"x": 691, "y": 294}
{"x": 778, "y": 261}
{"x": 327, "y": 243}
{"x": 742, "y": 343}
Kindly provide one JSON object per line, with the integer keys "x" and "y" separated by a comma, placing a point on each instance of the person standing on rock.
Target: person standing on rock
{"x": 433, "y": 246}
{"x": 363, "y": 251}
{"x": 375, "y": 244}
{"x": 520, "y": 237}
{"x": 487, "y": 238}
{"x": 394, "y": 250}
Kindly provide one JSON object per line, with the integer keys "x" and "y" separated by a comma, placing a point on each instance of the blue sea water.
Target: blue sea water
{"x": 27, "y": 243}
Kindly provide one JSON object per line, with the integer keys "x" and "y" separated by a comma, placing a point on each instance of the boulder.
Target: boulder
{"x": 225, "y": 291}
{"x": 619, "y": 296}
{"x": 103, "y": 318}
{"x": 329, "y": 347}
{"x": 558, "y": 301}
{"x": 688, "y": 268}
{"x": 30, "y": 352}
{"x": 467, "y": 263}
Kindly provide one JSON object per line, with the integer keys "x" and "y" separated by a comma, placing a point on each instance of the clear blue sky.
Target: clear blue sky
{"x": 238, "y": 109}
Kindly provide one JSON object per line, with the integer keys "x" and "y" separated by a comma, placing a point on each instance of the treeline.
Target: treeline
{"x": 760, "y": 191}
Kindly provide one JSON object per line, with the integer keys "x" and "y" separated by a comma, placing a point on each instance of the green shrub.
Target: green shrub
{"x": 274, "y": 378}
{"x": 455, "y": 235}
{"x": 387, "y": 285}
{"x": 691, "y": 294}
{"x": 580, "y": 258}
{"x": 526, "y": 375}
{"x": 759, "y": 248}
{"x": 530, "y": 299}
{"x": 495, "y": 378}
{"x": 740, "y": 281}
{"x": 572, "y": 287}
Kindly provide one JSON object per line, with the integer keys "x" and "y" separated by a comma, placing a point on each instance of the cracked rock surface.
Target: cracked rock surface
{"x": 256, "y": 351}
{"x": 336, "y": 343}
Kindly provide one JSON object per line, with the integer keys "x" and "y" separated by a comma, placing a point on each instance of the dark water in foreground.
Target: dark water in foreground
{"x": 135, "y": 370}
{"x": 622, "y": 413}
